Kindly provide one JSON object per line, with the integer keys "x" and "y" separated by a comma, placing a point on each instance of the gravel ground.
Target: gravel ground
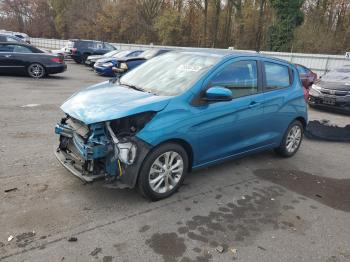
{"x": 259, "y": 208}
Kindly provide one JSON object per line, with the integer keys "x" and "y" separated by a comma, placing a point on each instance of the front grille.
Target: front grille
{"x": 334, "y": 92}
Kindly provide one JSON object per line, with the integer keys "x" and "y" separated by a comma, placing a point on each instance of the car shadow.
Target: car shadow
{"x": 24, "y": 76}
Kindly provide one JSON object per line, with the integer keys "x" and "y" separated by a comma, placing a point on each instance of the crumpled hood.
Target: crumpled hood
{"x": 108, "y": 101}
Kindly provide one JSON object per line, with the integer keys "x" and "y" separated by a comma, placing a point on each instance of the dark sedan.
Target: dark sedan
{"x": 129, "y": 63}
{"x": 19, "y": 58}
{"x": 103, "y": 66}
{"x": 332, "y": 90}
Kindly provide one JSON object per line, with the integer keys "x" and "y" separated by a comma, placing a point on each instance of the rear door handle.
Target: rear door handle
{"x": 7, "y": 56}
{"x": 254, "y": 104}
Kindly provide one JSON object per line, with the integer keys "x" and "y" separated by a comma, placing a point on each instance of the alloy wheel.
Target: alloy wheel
{"x": 293, "y": 139}
{"x": 36, "y": 70}
{"x": 166, "y": 172}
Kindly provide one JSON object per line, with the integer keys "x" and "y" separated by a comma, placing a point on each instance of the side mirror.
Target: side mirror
{"x": 218, "y": 93}
{"x": 118, "y": 70}
{"x": 123, "y": 67}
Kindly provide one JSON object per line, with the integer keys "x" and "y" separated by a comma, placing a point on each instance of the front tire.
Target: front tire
{"x": 36, "y": 70}
{"x": 163, "y": 171}
{"x": 291, "y": 140}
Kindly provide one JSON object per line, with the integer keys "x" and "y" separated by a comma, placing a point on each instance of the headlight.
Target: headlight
{"x": 123, "y": 66}
{"x": 315, "y": 90}
{"x": 107, "y": 64}
{"x": 316, "y": 87}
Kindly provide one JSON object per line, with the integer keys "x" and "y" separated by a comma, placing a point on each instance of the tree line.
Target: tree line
{"x": 310, "y": 26}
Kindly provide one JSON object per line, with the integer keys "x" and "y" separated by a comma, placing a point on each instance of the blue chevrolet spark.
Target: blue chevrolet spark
{"x": 178, "y": 112}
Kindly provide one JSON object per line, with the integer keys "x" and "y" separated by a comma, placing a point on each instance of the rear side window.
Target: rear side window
{"x": 276, "y": 75}
{"x": 6, "y": 48}
{"x": 21, "y": 49}
{"x": 240, "y": 77}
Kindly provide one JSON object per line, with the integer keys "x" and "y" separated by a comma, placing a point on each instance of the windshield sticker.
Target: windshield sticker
{"x": 189, "y": 68}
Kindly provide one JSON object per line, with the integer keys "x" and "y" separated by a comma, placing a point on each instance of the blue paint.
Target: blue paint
{"x": 108, "y": 101}
{"x": 215, "y": 131}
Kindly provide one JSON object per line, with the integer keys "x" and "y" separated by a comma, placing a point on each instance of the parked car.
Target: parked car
{"x": 19, "y": 58}
{"x": 129, "y": 63}
{"x": 332, "y": 91}
{"x": 24, "y": 37}
{"x": 79, "y": 50}
{"x": 104, "y": 66}
{"x": 91, "y": 60}
{"x": 178, "y": 112}
{"x": 60, "y": 52}
{"x": 307, "y": 77}
{"x": 10, "y": 38}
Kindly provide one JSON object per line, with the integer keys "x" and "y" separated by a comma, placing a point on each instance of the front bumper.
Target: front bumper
{"x": 90, "y": 62}
{"x": 103, "y": 71}
{"x": 94, "y": 157}
{"x": 340, "y": 103}
{"x": 69, "y": 162}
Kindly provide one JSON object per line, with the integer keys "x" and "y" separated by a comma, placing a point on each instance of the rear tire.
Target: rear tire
{"x": 291, "y": 140}
{"x": 76, "y": 60}
{"x": 83, "y": 59}
{"x": 163, "y": 171}
{"x": 36, "y": 70}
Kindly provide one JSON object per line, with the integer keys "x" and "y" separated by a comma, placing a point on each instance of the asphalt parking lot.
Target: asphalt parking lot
{"x": 259, "y": 208}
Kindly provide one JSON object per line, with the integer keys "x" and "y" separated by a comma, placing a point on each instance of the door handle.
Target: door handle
{"x": 254, "y": 104}
{"x": 7, "y": 56}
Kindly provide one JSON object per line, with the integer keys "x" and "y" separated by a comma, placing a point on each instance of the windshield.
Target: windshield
{"x": 122, "y": 54}
{"x": 112, "y": 53}
{"x": 338, "y": 75}
{"x": 170, "y": 74}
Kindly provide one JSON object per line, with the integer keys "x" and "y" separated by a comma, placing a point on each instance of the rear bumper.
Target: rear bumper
{"x": 55, "y": 69}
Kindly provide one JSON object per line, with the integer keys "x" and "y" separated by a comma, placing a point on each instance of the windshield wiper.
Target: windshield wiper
{"x": 134, "y": 87}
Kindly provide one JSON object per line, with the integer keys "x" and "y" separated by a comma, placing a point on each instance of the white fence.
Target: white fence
{"x": 317, "y": 62}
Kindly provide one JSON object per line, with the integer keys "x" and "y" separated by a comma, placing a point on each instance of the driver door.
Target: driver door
{"x": 229, "y": 128}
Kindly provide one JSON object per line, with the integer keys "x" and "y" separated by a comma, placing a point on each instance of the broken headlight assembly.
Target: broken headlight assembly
{"x": 108, "y": 149}
{"x": 122, "y": 129}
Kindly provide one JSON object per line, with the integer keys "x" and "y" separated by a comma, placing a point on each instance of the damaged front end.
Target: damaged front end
{"x": 109, "y": 150}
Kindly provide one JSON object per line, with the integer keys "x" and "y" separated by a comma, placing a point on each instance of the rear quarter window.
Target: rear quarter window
{"x": 276, "y": 76}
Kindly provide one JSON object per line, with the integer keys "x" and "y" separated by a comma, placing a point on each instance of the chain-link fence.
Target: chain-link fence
{"x": 317, "y": 62}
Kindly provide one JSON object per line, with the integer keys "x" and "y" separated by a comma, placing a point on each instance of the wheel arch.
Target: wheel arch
{"x": 302, "y": 120}
{"x": 187, "y": 146}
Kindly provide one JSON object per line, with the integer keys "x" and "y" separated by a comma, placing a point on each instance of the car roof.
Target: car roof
{"x": 83, "y": 40}
{"x": 227, "y": 53}
{"x": 17, "y": 43}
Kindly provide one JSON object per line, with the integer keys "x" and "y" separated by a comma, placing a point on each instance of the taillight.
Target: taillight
{"x": 306, "y": 94}
{"x": 56, "y": 60}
